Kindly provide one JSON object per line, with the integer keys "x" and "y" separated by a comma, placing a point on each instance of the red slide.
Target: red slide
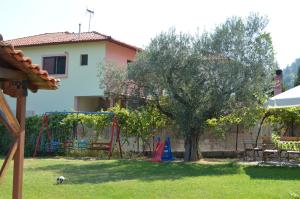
{"x": 159, "y": 150}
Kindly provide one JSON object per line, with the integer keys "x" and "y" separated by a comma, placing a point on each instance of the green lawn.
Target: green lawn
{"x": 141, "y": 179}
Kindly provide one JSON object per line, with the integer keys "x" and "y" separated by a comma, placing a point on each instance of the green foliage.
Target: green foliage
{"x": 32, "y": 129}
{"x": 97, "y": 122}
{"x": 58, "y": 130}
{"x": 297, "y": 79}
{"x": 285, "y": 145}
{"x": 290, "y": 74}
{"x": 246, "y": 117}
{"x": 294, "y": 195}
{"x": 5, "y": 140}
{"x": 207, "y": 76}
{"x": 283, "y": 119}
{"x": 141, "y": 123}
{"x": 122, "y": 116}
{"x": 112, "y": 77}
{"x": 144, "y": 122}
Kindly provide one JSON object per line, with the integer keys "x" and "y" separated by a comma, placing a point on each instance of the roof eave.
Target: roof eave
{"x": 81, "y": 41}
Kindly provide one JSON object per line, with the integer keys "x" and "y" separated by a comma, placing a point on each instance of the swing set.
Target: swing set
{"x": 94, "y": 145}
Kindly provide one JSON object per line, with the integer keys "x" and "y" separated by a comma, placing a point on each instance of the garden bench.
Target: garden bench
{"x": 53, "y": 146}
{"x": 82, "y": 145}
{"x": 100, "y": 146}
{"x": 269, "y": 148}
{"x": 294, "y": 151}
{"x": 68, "y": 145}
{"x": 268, "y": 152}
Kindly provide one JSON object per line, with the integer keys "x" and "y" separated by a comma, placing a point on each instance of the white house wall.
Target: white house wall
{"x": 80, "y": 80}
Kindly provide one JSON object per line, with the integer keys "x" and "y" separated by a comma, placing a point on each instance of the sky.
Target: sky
{"x": 137, "y": 21}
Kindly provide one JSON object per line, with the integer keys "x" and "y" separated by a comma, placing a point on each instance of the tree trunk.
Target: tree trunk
{"x": 237, "y": 137}
{"x": 292, "y": 133}
{"x": 267, "y": 114}
{"x": 138, "y": 144}
{"x": 191, "y": 147}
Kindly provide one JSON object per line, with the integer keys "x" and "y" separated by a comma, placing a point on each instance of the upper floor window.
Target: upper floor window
{"x": 55, "y": 65}
{"x": 84, "y": 60}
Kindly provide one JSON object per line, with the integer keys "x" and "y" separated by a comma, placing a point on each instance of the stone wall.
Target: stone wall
{"x": 209, "y": 142}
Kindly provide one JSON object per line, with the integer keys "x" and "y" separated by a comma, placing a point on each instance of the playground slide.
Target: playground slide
{"x": 167, "y": 155}
{"x": 159, "y": 150}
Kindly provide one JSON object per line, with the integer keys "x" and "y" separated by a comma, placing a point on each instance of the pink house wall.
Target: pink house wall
{"x": 119, "y": 54}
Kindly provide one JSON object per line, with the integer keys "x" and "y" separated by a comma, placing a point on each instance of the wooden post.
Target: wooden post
{"x": 19, "y": 156}
{"x": 7, "y": 160}
{"x": 7, "y": 116}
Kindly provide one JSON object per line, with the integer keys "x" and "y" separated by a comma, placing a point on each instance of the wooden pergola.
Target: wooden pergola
{"x": 17, "y": 76}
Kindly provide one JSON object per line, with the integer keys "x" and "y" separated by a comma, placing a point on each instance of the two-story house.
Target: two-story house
{"x": 74, "y": 58}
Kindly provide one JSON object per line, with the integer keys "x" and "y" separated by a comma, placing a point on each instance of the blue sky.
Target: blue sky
{"x": 137, "y": 21}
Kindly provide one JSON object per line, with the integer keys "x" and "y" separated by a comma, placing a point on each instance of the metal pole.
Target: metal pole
{"x": 90, "y": 12}
{"x": 90, "y": 22}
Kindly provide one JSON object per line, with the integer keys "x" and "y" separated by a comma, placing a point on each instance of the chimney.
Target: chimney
{"x": 278, "y": 80}
{"x": 1, "y": 38}
{"x": 79, "y": 31}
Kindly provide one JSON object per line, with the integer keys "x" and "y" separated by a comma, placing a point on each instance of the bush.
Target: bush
{"x": 285, "y": 145}
{"x": 33, "y": 125}
{"x": 141, "y": 123}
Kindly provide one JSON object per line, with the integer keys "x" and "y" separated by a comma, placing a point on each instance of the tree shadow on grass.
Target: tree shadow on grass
{"x": 273, "y": 172}
{"x": 110, "y": 171}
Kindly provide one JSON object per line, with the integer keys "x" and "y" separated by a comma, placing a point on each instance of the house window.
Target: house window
{"x": 84, "y": 60}
{"x": 55, "y": 65}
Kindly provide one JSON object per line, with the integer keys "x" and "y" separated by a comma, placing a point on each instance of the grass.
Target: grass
{"x": 142, "y": 179}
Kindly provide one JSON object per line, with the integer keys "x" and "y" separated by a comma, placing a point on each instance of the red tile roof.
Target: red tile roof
{"x": 15, "y": 59}
{"x": 65, "y": 37}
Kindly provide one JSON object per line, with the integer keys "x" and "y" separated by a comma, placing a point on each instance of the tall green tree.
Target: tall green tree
{"x": 195, "y": 78}
{"x": 297, "y": 79}
{"x": 290, "y": 73}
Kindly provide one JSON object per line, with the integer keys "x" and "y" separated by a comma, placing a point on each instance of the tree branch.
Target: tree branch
{"x": 161, "y": 109}
{"x": 176, "y": 96}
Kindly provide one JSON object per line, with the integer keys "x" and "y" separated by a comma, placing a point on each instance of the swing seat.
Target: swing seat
{"x": 68, "y": 145}
{"x": 106, "y": 146}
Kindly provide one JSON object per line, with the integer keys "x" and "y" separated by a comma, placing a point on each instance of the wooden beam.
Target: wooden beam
{"x": 7, "y": 160}
{"x": 10, "y": 74}
{"x": 7, "y": 117}
{"x": 14, "y": 88}
{"x": 19, "y": 156}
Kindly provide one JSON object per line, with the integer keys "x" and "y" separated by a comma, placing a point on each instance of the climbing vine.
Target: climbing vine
{"x": 140, "y": 123}
{"x": 285, "y": 145}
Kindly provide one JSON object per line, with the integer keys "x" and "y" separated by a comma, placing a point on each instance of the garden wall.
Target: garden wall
{"x": 209, "y": 142}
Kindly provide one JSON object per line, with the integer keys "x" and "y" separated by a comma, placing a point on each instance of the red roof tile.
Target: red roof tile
{"x": 65, "y": 37}
{"x": 15, "y": 59}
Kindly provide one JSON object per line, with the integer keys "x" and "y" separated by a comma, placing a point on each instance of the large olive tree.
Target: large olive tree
{"x": 195, "y": 78}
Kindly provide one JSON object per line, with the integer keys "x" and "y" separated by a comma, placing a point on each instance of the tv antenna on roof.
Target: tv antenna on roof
{"x": 91, "y": 12}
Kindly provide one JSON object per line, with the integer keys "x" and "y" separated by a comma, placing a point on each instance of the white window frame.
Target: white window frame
{"x": 57, "y": 55}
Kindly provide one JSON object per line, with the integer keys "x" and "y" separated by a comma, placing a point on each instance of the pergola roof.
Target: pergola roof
{"x": 23, "y": 69}
{"x": 17, "y": 74}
